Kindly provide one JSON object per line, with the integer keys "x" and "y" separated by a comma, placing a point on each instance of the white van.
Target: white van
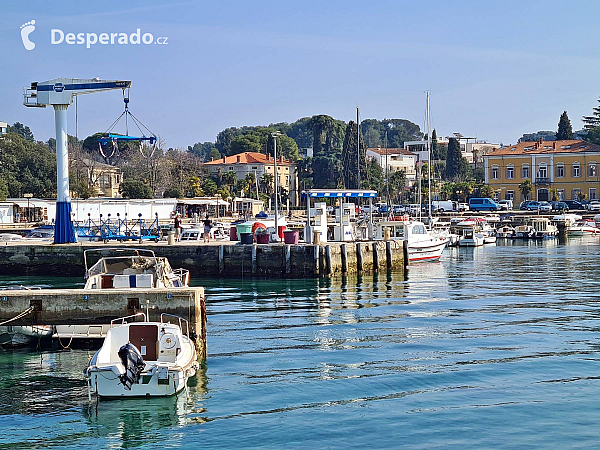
{"x": 443, "y": 205}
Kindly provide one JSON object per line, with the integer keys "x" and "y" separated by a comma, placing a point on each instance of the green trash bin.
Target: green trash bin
{"x": 243, "y": 228}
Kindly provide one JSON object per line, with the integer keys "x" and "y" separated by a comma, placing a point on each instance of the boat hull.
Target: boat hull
{"x": 426, "y": 252}
{"x": 106, "y": 384}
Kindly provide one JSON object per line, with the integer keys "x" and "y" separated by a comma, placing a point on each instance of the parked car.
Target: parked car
{"x": 366, "y": 209}
{"x": 559, "y": 206}
{"x": 524, "y": 205}
{"x": 463, "y": 207}
{"x": 483, "y": 204}
{"x": 539, "y": 206}
{"x": 574, "y": 204}
{"x": 398, "y": 209}
{"x": 506, "y": 205}
{"x": 594, "y": 205}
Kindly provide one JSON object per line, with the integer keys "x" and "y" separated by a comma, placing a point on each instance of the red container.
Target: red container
{"x": 291, "y": 236}
{"x": 280, "y": 231}
{"x": 233, "y": 233}
{"x": 262, "y": 238}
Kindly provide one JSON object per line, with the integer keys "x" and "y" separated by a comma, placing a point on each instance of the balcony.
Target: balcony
{"x": 542, "y": 181}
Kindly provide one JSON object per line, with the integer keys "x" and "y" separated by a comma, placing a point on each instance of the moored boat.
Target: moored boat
{"x": 583, "y": 227}
{"x": 143, "y": 359}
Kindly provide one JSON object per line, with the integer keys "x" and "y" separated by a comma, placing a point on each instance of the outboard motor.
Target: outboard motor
{"x": 133, "y": 362}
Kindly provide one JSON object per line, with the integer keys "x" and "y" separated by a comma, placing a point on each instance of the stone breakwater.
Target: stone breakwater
{"x": 217, "y": 259}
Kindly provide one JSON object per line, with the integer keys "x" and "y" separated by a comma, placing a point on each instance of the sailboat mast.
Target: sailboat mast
{"x": 358, "y": 147}
{"x": 429, "y": 159}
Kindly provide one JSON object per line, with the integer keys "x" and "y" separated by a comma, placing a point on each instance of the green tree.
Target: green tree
{"x": 173, "y": 192}
{"x": 565, "y": 131}
{"x": 21, "y": 130}
{"x": 525, "y": 187}
{"x": 453, "y": 160}
{"x": 209, "y": 187}
{"x": 135, "y": 189}
{"x": 592, "y": 121}
{"x": 350, "y": 158}
{"x": 3, "y": 191}
{"x": 214, "y": 155}
{"x": 230, "y": 178}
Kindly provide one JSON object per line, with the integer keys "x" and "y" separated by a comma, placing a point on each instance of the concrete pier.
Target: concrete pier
{"x": 78, "y": 306}
{"x": 219, "y": 259}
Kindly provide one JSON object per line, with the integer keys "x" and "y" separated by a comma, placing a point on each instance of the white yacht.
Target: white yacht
{"x": 422, "y": 245}
{"x": 143, "y": 359}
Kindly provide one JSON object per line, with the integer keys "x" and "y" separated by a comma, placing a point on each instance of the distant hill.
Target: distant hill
{"x": 549, "y": 136}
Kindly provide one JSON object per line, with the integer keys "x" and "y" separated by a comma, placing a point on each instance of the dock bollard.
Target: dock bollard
{"x": 316, "y": 237}
{"x": 171, "y": 238}
{"x": 386, "y": 234}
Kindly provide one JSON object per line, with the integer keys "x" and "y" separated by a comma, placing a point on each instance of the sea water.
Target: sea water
{"x": 492, "y": 347}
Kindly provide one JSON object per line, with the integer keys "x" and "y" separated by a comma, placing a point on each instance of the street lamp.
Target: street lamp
{"x": 274, "y": 135}
{"x": 28, "y": 196}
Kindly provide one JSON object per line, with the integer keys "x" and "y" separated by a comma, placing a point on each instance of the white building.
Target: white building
{"x": 395, "y": 159}
{"x": 3, "y": 128}
{"x": 470, "y": 148}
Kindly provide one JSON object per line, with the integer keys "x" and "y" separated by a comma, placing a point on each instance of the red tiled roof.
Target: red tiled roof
{"x": 391, "y": 151}
{"x": 535, "y": 147}
{"x": 247, "y": 158}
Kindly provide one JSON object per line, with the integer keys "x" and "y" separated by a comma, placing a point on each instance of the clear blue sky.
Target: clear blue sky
{"x": 495, "y": 70}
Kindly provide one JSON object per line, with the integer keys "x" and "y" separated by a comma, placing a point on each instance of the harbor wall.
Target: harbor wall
{"x": 91, "y": 307}
{"x": 226, "y": 260}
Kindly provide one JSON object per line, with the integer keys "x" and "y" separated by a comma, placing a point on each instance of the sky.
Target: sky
{"x": 495, "y": 70}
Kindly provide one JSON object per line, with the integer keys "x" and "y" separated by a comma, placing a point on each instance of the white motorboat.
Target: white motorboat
{"x": 505, "y": 232}
{"x": 471, "y": 237}
{"x": 544, "y": 229}
{"x": 143, "y": 359}
{"x": 524, "y": 232}
{"x": 583, "y": 227}
{"x": 422, "y": 245}
{"x": 217, "y": 232}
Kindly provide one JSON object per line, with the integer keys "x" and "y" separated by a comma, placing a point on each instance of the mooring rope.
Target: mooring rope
{"x": 18, "y": 316}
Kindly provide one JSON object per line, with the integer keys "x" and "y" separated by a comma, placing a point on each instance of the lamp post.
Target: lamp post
{"x": 275, "y": 134}
{"x": 28, "y": 196}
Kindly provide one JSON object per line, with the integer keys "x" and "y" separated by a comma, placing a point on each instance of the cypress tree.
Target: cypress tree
{"x": 565, "y": 131}
{"x": 453, "y": 159}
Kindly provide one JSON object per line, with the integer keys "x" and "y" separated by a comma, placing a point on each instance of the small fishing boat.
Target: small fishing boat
{"x": 505, "y": 232}
{"x": 524, "y": 232}
{"x": 422, "y": 245}
{"x": 583, "y": 227}
{"x": 471, "y": 237}
{"x": 143, "y": 359}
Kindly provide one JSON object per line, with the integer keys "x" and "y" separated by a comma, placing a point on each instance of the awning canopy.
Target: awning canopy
{"x": 202, "y": 201}
{"x": 341, "y": 193}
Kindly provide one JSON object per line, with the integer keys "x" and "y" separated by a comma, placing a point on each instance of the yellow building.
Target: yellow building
{"x": 568, "y": 168}
{"x": 103, "y": 178}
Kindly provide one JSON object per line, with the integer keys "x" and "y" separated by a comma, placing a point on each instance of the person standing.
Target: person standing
{"x": 177, "y": 226}
{"x": 207, "y": 224}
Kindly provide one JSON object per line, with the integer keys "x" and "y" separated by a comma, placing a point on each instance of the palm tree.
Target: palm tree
{"x": 526, "y": 187}
{"x": 230, "y": 179}
{"x": 251, "y": 180}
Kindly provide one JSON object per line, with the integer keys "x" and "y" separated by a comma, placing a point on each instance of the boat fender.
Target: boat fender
{"x": 134, "y": 364}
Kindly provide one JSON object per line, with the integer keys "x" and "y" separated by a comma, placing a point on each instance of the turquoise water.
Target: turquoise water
{"x": 494, "y": 347}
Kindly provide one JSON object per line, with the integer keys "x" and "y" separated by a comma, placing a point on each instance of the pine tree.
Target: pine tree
{"x": 565, "y": 131}
{"x": 593, "y": 120}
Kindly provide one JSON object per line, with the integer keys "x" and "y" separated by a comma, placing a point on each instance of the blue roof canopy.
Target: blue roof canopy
{"x": 334, "y": 193}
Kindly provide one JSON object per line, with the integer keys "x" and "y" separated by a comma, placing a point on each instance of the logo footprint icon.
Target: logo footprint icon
{"x": 26, "y": 30}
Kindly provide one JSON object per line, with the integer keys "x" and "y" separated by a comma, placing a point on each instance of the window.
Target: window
{"x": 510, "y": 195}
{"x": 543, "y": 171}
{"x": 494, "y": 172}
{"x": 561, "y": 194}
{"x": 510, "y": 172}
{"x": 592, "y": 170}
{"x": 254, "y": 167}
{"x": 593, "y": 194}
{"x": 525, "y": 171}
{"x": 576, "y": 170}
{"x": 575, "y": 194}
{"x": 496, "y": 197}
{"x": 560, "y": 170}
